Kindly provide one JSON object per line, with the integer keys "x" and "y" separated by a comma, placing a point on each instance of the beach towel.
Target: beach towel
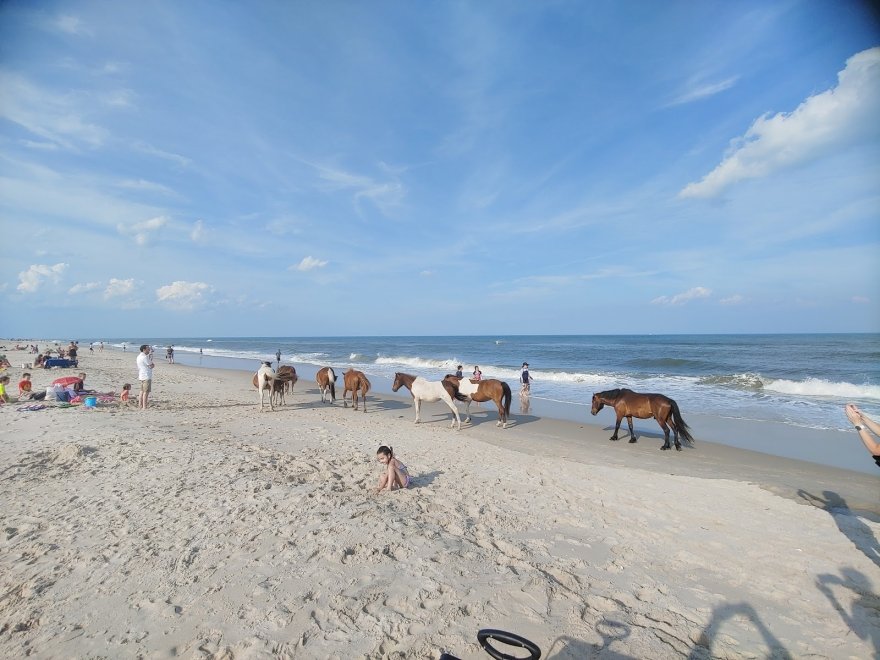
{"x": 36, "y": 406}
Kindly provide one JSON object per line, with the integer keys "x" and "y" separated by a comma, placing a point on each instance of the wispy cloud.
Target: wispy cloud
{"x": 310, "y": 263}
{"x": 735, "y": 299}
{"x": 143, "y": 231}
{"x": 71, "y": 25}
{"x": 84, "y": 288}
{"x": 697, "y": 92}
{"x": 30, "y": 280}
{"x": 384, "y": 195}
{"x": 861, "y": 300}
{"x": 682, "y": 298}
{"x": 835, "y": 119}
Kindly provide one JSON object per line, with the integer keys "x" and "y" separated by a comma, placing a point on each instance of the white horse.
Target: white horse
{"x": 265, "y": 382}
{"x": 428, "y": 390}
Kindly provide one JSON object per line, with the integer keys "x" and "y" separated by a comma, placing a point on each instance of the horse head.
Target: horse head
{"x": 598, "y": 404}
{"x": 398, "y": 382}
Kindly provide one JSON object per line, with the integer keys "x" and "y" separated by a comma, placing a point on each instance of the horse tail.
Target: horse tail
{"x": 683, "y": 429}
{"x": 506, "y": 396}
{"x": 365, "y": 385}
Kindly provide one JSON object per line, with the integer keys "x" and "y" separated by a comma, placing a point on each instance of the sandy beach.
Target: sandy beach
{"x": 204, "y": 528}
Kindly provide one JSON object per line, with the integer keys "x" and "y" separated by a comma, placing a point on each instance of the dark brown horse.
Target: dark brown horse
{"x": 284, "y": 380}
{"x": 355, "y": 381}
{"x": 629, "y": 404}
{"x": 484, "y": 390}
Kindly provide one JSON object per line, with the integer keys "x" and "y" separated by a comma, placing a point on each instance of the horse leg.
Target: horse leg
{"x": 417, "y": 403}
{"x": 632, "y": 433}
{"x": 448, "y": 402}
{"x": 616, "y": 427}
{"x": 665, "y": 428}
{"x": 467, "y": 410}
{"x": 501, "y": 421}
{"x": 364, "y": 397}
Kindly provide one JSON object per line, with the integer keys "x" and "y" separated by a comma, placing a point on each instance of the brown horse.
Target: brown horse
{"x": 629, "y": 404}
{"x": 326, "y": 379}
{"x": 484, "y": 390}
{"x": 355, "y": 381}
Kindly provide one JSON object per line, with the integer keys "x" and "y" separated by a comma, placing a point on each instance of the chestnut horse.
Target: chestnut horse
{"x": 484, "y": 390}
{"x": 629, "y": 404}
{"x": 326, "y": 379}
{"x": 355, "y": 381}
{"x": 428, "y": 390}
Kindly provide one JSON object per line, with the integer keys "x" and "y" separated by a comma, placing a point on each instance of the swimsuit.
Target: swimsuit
{"x": 404, "y": 469}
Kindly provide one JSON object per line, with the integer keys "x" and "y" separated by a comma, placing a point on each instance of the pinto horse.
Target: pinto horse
{"x": 355, "y": 381}
{"x": 484, "y": 390}
{"x": 430, "y": 391}
{"x": 264, "y": 380}
{"x": 283, "y": 381}
{"x": 629, "y": 404}
{"x": 326, "y": 379}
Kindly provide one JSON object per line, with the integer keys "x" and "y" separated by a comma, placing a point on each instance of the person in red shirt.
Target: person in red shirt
{"x": 25, "y": 386}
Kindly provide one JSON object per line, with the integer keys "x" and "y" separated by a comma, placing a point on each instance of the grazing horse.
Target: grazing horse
{"x": 288, "y": 375}
{"x": 629, "y": 404}
{"x": 264, "y": 380}
{"x": 326, "y": 379}
{"x": 484, "y": 390}
{"x": 355, "y": 381}
{"x": 428, "y": 390}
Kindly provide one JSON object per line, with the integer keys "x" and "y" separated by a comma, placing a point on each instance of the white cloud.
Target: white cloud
{"x": 146, "y": 186}
{"x": 71, "y": 25}
{"x": 84, "y": 288}
{"x": 116, "y": 288}
{"x": 704, "y": 91}
{"x": 143, "y": 231}
{"x": 861, "y": 300}
{"x": 682, "y": 298}
{"x": 735, "y": 299}
{"x": 384, "y": 195}
{"x": 310, "y": 263}
{"x": 832, "y": 120}
{"x": 427, "y": 273}
{"x": 33, "y": 278}
{"x": 198, "y": 233}
{"x": 183, "y": 295}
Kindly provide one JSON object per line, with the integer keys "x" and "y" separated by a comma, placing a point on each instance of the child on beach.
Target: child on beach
{"x": 24, "y": 386}
{"x": 395, "y": 475}
{"x": 126, "y": 392}
{"x": 4, "y": 397}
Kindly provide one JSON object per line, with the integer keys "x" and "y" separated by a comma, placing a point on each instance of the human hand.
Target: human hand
{"x": 853, "y": 413}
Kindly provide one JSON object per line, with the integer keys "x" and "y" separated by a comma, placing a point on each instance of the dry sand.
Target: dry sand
{"x": 204, "y": 528}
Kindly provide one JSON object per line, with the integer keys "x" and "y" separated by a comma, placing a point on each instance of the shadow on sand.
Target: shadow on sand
{"x": 849, "y": 524}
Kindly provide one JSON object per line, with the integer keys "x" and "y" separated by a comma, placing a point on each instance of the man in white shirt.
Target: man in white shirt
{"x": 145, "y": 374}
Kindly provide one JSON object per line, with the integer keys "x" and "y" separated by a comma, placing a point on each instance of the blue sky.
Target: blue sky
{"x": 494, "y": 167}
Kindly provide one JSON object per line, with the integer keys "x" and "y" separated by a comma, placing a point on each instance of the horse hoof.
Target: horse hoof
{"x": 665, "y": 447}
{"x": 677, "y": 447}
{"x": 612, "y": 438}
{"x": 632, "y": 440}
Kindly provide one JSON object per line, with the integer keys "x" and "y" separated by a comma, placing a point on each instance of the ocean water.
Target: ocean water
{"x": 798, "y": 380}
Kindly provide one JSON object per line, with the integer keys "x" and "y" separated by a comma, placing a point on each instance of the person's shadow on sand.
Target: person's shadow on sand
{"x": 863, "y": 610}
{"x": 703, "y": 649}
{"x": 424, "y": 479}
{"x": 569, "y": 648}
{"x": 849, "y": 525}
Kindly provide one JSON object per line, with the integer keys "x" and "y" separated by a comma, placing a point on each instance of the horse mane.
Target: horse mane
{"x": 611, "y": 394}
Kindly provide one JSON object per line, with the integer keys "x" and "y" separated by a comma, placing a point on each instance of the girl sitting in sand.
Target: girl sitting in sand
{"x": 126, "y": 392}
{"x": 395, "y": 475}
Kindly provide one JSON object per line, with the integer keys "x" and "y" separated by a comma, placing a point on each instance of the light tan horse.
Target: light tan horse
{"x": 326, "y": 379}
{"x": 355, "y": 381}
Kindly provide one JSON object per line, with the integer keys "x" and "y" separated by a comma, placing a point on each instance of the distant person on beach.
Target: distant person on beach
{"x": 277, "y": 357}
{"x": 865, "y": 427}
{"x": 395, "y": 475}
{"x": 169, "y": 354}
{"x": 525, "y": 379}
{"x": 459, "y": 373}
{"x": 145, "y": 375}
{"x": 126, "y": 393}
{"x": 478, "y": 375}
